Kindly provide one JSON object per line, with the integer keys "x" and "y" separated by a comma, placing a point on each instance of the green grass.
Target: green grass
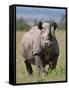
{"x": 59, "y": 74}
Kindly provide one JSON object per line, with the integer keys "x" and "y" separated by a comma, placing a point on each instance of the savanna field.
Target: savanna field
{"x": 59, "y": 74}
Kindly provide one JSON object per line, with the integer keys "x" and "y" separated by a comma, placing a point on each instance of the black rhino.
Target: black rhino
{"x": 40, "y": 47}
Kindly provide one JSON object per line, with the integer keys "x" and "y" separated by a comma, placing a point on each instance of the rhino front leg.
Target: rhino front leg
{"x": 28, "y": 67}
{"x": 39, "y": 64}
{"x": 53, "y": 62}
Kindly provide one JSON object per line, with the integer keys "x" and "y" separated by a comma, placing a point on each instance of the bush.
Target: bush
{"x": 21, "y": 25}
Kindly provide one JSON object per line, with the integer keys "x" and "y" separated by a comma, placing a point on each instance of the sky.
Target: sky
{"x": 40, "y": 14}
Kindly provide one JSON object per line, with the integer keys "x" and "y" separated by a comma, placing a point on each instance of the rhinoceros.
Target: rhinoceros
{"x": 40, "y": 47}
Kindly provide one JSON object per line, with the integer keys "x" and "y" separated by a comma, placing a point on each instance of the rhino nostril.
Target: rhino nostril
{"x": 46, "y": 44}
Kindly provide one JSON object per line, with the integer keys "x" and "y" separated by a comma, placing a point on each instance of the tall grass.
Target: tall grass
{"x": 59, "y": 74}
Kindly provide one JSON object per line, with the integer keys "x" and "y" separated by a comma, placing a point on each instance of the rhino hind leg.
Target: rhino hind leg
{"x": 28, "y": 67}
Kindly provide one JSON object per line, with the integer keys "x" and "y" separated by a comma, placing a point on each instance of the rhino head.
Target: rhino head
{"x": 46, "y": 36}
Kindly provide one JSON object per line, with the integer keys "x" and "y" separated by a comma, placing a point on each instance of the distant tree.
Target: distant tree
{"x": 62, "y": 23}
{"x": 21, "y": 24}
{"x": 35, "y": 22}
{"x": 63, "y": 18}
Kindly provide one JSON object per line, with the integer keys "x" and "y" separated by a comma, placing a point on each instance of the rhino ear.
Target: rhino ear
{"x": 40, "y": 25}
{"x": 55, "y": 26}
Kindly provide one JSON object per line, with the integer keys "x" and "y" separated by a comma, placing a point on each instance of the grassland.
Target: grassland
{"x": 59, "y": 74}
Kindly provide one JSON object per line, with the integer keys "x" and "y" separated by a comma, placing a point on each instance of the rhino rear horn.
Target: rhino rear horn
{"x": 40, "y": 25}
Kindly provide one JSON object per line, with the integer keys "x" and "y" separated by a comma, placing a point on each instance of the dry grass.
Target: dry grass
{"x": 59, "y": 74}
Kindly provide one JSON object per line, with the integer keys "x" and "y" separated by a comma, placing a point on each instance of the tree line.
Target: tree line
{"x": 22, "y": 24}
